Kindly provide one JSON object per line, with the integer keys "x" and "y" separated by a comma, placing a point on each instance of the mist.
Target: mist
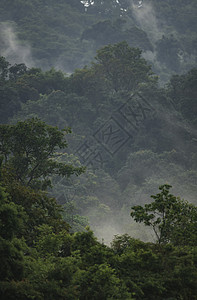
{"x": 11, "y": 47}
{"x": 145, "y": 17}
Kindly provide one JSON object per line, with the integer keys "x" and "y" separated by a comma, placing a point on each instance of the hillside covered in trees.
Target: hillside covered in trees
{"x": 98, "y": 109}
{"x": 66, "y": 33}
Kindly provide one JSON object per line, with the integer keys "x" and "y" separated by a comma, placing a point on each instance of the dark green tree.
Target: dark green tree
{"x": 4, "y": 66}
{"x": 123, "y": 67}
{"x": 12, "y": 223}
{"x": 29, "y": 150}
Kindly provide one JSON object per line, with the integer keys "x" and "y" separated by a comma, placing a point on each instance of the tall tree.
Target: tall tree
{"x": 29, "y": 150}
{"x": 123, "y": 66}
{"x": 173, "y": 220}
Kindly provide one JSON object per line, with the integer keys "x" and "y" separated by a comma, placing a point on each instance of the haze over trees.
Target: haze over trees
{"x": 66, "y": 34}
{"x": 97, "y": 111}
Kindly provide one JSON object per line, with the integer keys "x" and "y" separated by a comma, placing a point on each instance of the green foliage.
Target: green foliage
{"x": 3, "y": 68}
{"x": 86, "y": 100}
{"x": 173, "y": 220}
{"x": 52, "y": 244}
{"x": 35, "y": 24}
{"x": 63, "y": 266}
{"x": 60, "y": 109}
{"x": 38, "y": 22}
{"x": 29, "y": 149}
{"x": 40, "y": 209}
{"x": 44, "y": 82}
{"x": 123, "y": 66}
{"x": 12, "y": 221}
{"x": 18, "y": 84}
{"x": 101, "y": 282}
{"x": 12, "y": 259}
{"x": 152, "y": 270}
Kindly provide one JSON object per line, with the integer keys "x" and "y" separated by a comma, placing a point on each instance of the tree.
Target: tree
{"x": 16, "y": 71}
{"x": 45, "y": 82}
{"x": 3, "y": 68}
{"x": 18, "y": 84}
{"x": 123, "y": 66}
{"x": 29, "y": 151}
{"x": 118, "y": 68}
{"x": 101, "y": 282}
{"x": 173, "y": 220}
{"x": 12, "y": 221}
{"x": 153, "y": 271}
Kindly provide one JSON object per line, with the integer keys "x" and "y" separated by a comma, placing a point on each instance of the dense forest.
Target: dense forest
{"x": 98, "y": 149}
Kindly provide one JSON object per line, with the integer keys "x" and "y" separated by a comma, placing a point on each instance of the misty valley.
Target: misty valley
{"x": 98, "y": 149}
